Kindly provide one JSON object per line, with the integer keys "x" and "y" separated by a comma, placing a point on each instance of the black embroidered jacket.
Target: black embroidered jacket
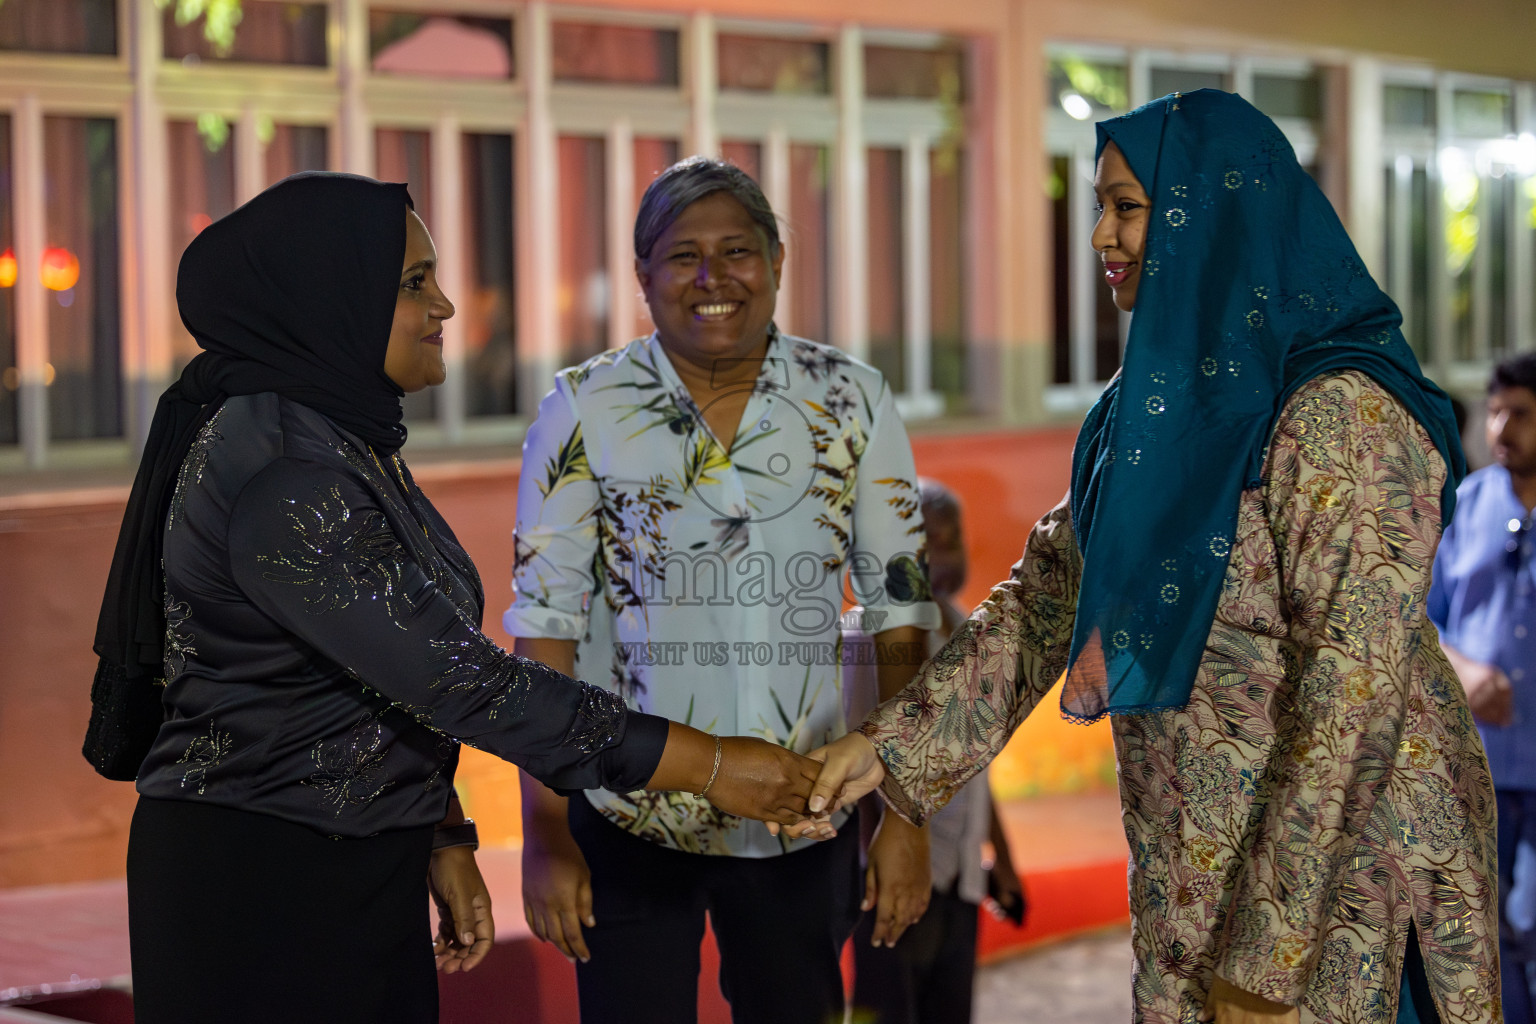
{"x": 323, "y": 654}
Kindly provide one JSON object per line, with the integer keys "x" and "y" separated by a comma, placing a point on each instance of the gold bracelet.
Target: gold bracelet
{"x": 713, "y": 771}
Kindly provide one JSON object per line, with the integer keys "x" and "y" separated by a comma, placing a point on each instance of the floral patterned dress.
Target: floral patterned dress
{"x": 1323, "y": 791}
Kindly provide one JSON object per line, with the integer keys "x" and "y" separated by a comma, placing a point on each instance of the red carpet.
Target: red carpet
{"x": 64, "y": 948}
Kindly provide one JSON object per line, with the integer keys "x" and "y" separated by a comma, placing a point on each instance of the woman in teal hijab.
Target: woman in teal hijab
{"x": 1238, "y": 578}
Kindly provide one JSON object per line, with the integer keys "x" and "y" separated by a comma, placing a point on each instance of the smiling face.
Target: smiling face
{"x": 711, "y": 282}
{"x": 1512, "y": 430}
{"x": 1120, "y": 236}
{"x": 414, "y": 359}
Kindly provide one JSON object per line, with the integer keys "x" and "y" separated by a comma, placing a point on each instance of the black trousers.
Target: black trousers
{"x": 241, "y": 918}
{"x": 928, "y": 977}
{"x": 779, "y": 922}
{"x": 1517, "y": 949}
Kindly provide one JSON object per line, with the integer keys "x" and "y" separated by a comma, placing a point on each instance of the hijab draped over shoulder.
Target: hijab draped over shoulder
{"x": 1250, "y": 287}
{"x": 292, "y": 293}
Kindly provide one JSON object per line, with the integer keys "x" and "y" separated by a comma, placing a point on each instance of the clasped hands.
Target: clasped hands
{"x": 795, "y": 794}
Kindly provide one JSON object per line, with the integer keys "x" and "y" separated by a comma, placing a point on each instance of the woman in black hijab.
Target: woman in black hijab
{"x": 316, "y": 628}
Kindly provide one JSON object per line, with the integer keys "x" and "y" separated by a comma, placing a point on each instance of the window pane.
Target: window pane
{"x": 1408, "y": 298}
{"x": 748, "y": 156}
{"x": 807, "y": 239}
{"x": 295, "y": 148}
{"x": 201, "y": 173}
{"x": 1065, "y": 190}
{"x": 1286, "y": 96}
{"x": 1089, "y": 90}
{"x": 84, "y": 345}
{"x": 269, "y": 32}
{"x": 1461, "y": 194}
{"x": 487, "y": 314}
{"x": 59, "y": 26}
{"x": 948, "y": 264}
{"x": 1418, "y": 212}
{"x": 1408, "y": 106}
{"x": 1482, "y": 113}
{"x": 896, "y": 72}
{"x": 652, "y": 156}
{"x": 1061, "y": 245}
{"x": 615, "y": 53}
{"x": 759, "y": 64}
{"x": 452, "y": 46}
{"x": 583, "y": 296}
{"x": 9, "y": 378}
{"x": 1496, "y": 230}
{"x": 887, "y": 268}
{"x": 1527, "y": 223}
{"x": 1167, "y": 80}
{"x": 403, "y": 155}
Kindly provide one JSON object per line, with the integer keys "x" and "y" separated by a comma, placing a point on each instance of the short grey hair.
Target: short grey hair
{"x": 685, "y": 183}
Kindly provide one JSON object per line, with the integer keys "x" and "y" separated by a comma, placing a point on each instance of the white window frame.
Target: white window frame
{"x": 143, "y": 90}
{"x": 1403, "y": 150}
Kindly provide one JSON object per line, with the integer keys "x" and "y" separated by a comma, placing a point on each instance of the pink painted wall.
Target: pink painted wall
{"x": 60, "y": 822}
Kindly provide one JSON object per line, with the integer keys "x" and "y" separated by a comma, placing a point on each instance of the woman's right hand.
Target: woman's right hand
{"x": 557, "y": 886}
{"x": 763, "y": 780}
{"x": 850, "y": 769}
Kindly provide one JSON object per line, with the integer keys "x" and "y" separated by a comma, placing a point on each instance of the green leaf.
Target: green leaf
{"x": 569, "y": 464}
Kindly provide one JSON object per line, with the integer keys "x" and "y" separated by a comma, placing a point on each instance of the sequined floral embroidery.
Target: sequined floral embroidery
{"x": 340, "y": 556}
{"x": 351, "y": 773}
{"x": 598, "y": 718}
{"x": 479, "y": 664}
{"x": 179, "y": 644}
{"x": 191, "y": 472}
{"x": 406, "y": 508}
{"x": 202, "y": 756}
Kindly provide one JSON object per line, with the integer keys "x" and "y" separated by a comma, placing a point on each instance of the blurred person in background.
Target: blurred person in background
{"x": 929, "y": 977}
{"x": 1238, "y": 576}
{"x": 1483, "y": 601}
{"x": 690, "y": 507}
{"x": 314, "y": 630}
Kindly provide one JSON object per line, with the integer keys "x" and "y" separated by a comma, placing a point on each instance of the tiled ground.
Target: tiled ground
{"x": 1081, "y": 981}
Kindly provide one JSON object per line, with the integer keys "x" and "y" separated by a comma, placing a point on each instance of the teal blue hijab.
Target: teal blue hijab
{"x": 1249, "y": 288}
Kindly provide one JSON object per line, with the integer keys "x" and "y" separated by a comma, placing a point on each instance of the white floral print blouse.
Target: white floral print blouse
{"x": 705, "y": 583}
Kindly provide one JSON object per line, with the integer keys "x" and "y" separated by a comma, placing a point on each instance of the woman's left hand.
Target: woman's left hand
{"x": 898, "y": 880}
{"x": 1228, "y": 1004}
{"x": 465, "y": 930}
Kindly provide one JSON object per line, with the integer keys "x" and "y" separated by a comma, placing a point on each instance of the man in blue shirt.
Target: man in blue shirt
{"x": 1483, "y": 600}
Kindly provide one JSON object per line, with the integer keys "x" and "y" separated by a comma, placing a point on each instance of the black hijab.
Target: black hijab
{"x": 292, "y": 293}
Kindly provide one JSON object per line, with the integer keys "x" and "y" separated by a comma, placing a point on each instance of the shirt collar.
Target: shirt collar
{"x": 773, "y": 376}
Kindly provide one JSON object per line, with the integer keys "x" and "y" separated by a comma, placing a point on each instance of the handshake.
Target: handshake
{"x": 792, "y": 792}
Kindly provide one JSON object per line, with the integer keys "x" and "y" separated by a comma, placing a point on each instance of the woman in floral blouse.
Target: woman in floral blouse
{"x": 1239, "y": 577}
{"x": 690, "y": 507}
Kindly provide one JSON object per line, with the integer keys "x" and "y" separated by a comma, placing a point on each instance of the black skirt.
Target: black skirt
{"x": 238, "y": 917}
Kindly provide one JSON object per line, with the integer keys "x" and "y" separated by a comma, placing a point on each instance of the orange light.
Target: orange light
{"x": 60, "y": 270}
{"x": 7, "y": 269}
